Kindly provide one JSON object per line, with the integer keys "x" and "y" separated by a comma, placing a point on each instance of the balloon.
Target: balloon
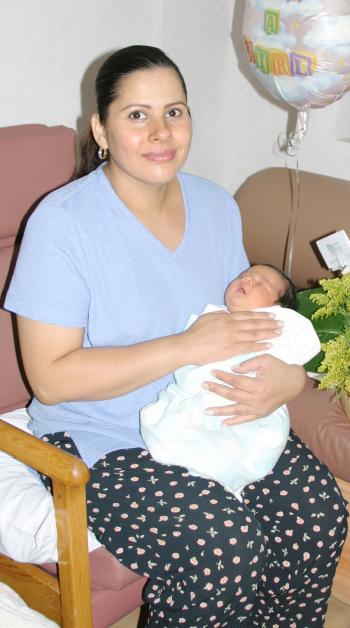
{"x": 300, "y": 49}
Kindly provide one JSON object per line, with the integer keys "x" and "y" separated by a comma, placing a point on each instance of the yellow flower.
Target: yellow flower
{"x": 334, "y": 300}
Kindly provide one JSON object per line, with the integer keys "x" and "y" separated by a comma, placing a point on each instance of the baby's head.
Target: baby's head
{"x": 261, "y": 285}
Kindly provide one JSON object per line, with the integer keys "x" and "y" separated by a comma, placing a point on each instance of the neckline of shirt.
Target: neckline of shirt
{"x": 117, "y": 202}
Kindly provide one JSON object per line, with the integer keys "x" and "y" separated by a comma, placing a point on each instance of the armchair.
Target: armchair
{"x": 37, "y": 160}
{"x": 267, "y": 199}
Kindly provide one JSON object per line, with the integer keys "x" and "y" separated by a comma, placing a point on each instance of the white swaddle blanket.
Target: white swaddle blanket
{"x": 177, "y": 430}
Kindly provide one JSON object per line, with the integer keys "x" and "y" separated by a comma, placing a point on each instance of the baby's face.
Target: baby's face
{"x": 259, "y": 286}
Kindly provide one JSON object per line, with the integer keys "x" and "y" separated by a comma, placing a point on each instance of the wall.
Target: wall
{"x": 52, "y": 49}
{"x": 49, "y": 46}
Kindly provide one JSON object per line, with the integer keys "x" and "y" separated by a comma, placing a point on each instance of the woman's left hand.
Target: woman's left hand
{"x": 275, "y": 383}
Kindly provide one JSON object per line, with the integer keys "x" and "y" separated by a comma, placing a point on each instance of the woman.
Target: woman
{"x": 110, "y": 268}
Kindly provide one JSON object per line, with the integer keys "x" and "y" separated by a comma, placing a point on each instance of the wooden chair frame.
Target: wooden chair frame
{"x": 68, "y": 599}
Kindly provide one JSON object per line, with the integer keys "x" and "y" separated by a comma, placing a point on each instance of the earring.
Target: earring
{"x": 102, "y": 153}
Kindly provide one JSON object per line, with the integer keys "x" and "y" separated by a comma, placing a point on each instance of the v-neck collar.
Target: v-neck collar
{"x": 113, "y": 196}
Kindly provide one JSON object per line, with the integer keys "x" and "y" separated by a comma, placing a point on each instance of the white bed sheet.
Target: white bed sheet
{"x": 27, "y": 519}
{"x": 14, "y": 612}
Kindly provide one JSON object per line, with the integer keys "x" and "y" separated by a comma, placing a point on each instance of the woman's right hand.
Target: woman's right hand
{"x": 217, "y": 336}
{"x": 60, "y": 369}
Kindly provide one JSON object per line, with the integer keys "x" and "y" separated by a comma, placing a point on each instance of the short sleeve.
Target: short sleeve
{"x": 48, "y": 283}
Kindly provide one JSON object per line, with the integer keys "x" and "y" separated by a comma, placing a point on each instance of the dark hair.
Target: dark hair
{"x": 107, "y": 88}
{"x": 289, "y": 297}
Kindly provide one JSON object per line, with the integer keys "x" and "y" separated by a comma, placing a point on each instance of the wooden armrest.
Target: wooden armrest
{"x": 44, "y": 457}
{"x": 69, "y": 476}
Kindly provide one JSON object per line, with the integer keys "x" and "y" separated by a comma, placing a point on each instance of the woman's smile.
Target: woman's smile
{"x": 161, "y": 156}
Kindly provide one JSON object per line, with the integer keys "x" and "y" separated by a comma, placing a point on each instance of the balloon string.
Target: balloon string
{"x": 295, "y": 138}
{"x": 293, "y": 146}
{"x": 291, "y": 236}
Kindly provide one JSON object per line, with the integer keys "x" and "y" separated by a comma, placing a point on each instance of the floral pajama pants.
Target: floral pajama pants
{"x": 211, "y": 560}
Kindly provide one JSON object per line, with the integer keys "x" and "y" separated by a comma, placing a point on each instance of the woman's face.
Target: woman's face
{"x": 148, "y": 131}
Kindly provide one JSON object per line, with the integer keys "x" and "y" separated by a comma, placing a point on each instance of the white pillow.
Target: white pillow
{"x": 14, "y": 612}
{"x": 27, "y": 519}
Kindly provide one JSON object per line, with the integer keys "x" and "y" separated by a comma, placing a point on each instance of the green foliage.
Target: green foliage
{"x": 334, "y": 298}
{"x": 328, "y": 307}
{"x": 336, "y": 364}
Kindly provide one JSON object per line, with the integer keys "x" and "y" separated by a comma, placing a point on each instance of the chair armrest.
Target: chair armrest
{"x": 57, "y": 464}
{"x": 69, "y": 476}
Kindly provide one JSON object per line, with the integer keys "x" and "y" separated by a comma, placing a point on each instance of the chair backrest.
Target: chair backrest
{"x": 38, "y": 159}
{"x": 271, "y": 203}
{"x": 35, "y": 160}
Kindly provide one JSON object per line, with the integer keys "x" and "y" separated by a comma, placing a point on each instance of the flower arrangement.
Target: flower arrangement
{"x": 333, "y": 301}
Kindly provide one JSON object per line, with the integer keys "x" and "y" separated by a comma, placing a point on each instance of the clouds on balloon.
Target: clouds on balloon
{"x": 297, "y": 91}
{"x": 331, "y": 32}
{"x": 282, "y": 40}
{"x": 305, "y": 7}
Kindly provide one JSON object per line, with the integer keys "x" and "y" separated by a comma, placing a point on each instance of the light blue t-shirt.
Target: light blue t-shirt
{"x": 87, "y": 261}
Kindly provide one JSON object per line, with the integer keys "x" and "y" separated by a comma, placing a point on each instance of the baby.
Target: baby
{"x": 176, "y": 428}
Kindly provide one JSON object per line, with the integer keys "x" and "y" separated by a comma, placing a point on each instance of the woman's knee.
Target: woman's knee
{"x": 234, "y": 546}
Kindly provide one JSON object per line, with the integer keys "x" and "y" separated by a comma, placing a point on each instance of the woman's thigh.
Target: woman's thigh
{"x": 299, "y": 497}
{"x": 189, "y": 535}
{"x": 157, "y": 517}
{"x": 304, "y": 520}
{"x": 201, "y": 548}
